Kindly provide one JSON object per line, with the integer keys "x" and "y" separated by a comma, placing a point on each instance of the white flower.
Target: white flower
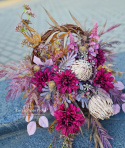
{"x": 82, "y": 69}
{"x": 100, "y": 105}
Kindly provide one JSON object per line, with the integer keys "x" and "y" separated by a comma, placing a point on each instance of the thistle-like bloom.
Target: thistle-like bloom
{"x": 68, "y": 120}
{"x": 41, "y": 78}
{"x": 104, "y": 79}
{"x": 66, "y": 81}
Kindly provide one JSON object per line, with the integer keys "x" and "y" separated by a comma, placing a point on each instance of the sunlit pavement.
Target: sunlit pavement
{"x": 100, "y": 11}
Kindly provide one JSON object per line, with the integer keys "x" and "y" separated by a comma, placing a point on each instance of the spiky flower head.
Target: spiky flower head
{"x": 101, "y": 105}
{"x": 41, "y": 78}
{"x": 68, "y": 120}
{"x": 100, "y": 58}
{"x": 82, "y": 69}
{"x": 66, "y": 81}
{"x": 94, "y": 32}
{"x": 104, "y": 79}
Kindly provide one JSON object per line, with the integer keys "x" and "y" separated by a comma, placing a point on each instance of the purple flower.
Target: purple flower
{"x": 84, "y": 101}
{"x": 117, "y": 97}
{"x": 73, "y": 44}
{"x": 66, "y": 81}
{"x": 94, "y": 32}
{"x": 104, "y": 79}
{"x": 68, "y": 120}
{"x": 91, "y": 51}
{"x": 100, "y": 58}
{"x": 40, "y": 78}
{"x": 94, "y": 45}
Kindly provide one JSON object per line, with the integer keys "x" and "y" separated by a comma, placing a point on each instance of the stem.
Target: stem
{"x": 79, "y": 107}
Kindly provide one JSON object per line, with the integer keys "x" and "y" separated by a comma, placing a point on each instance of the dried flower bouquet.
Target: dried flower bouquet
{"x": 67, "y": 75}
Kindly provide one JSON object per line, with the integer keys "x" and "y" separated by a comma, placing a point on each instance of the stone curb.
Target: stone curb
{"x": 10, "y": 127}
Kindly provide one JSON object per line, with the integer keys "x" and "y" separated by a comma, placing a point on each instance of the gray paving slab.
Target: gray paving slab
{"x": 96, "y": 10}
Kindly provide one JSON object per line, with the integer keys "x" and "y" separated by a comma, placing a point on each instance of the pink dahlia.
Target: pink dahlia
{"x": 100, "y": 57}
{"x": 104, "y": 79}
{"x": 68, "y": 120}
{"x": 66, "y": 81}
{"x": 41, "y": 78}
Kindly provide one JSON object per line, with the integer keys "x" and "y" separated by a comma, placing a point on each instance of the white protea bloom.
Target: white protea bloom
{"x": 82, "y": 69}
{"x": 100, "y": 105}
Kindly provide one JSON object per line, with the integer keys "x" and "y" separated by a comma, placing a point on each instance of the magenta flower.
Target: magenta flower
{"x": 66, "y": 81}
{"x": 68, "y": 120}
{"x": 41, "y": 78}
{"x": 100, "y": 57}
{"x": 104, "y": 79}
{"x": 55, "y": 69}
{"x": 94, "y": 32}
{"x": 73, "y": 44}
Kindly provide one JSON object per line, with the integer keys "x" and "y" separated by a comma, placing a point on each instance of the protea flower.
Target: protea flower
{"x": 82, "y": 69}
{"x": 101, "y": 105}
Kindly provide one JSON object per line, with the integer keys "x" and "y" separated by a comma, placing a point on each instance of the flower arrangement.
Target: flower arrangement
{"x": 67, "y": 75}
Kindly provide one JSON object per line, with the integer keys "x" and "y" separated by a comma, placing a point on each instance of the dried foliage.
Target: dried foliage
{"x": 101, "y": 136}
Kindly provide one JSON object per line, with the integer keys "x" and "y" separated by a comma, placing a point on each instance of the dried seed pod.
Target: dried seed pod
{"x": 36, "y": 68}
{"x": 82, "y": 49}
{"x": 100, "y": 105}
{"x": 51, "y": 85}
{"x": 82, "y": 69}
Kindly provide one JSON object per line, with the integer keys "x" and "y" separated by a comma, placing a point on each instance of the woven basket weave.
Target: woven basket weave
{"x": 61, "y": 29}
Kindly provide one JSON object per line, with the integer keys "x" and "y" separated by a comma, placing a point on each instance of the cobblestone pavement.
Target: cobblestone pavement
{"x": 10, "y": 47}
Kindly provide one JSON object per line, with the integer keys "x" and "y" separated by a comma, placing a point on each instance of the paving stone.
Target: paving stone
{"x": 93, "y": 10}
{"x": 6, "y": 53}
{"x": 3, "y": 60}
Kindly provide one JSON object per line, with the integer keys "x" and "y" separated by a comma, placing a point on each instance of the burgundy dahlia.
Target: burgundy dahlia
{"x": 66, "y": 81}
{"x": 104, "y": 79}
{"x": 41, "y": 78}
{"x": 68, "y": 120}
{"x": 100, "y": 57}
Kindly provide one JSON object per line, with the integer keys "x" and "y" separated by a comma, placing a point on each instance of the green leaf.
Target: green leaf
{"x": 50, "y": 146}
{"x": 26, "y": 30}
{"x": 64, "y": 146}
{"x": 24, "y": 10}
{"x": 29, "y": 17}
{"x": 52, "y": 127}
{"x": 22, "y": 29}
